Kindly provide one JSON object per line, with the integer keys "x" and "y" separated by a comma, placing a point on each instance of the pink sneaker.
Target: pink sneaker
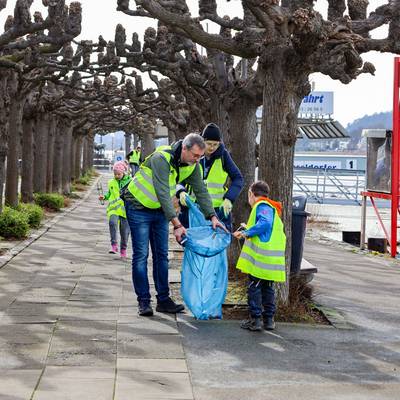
{"x": 114, "y": 249}
{"x": 123, "y": 253}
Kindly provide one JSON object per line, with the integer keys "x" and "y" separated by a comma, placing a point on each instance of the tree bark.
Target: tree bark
{"x": 128, "y": 143}
{"x": 73, "y": 157}
{"x": 27, "y": 160}
{"x": 58, "y": 159}
{"x": 78, "y": 157}
{"x": 243, "y": 132}
{"x": 14, "y": 142}
{"x": 90, "y": 155}
{"x": 3, "y": 133}
{"x": 41, "y": 144}
{"x": 147, "y": 144}
{"x": 283, "y": 93}
{"x": 66, "y": 163}
{"x": 50, "y": 154}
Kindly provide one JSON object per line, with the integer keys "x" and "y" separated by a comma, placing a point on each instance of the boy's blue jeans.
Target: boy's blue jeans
{"x": 149, "y": 226}
{"x": 261, "y": 297}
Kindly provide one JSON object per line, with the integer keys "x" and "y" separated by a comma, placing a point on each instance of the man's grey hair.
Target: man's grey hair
{"x": 192, "y": 139}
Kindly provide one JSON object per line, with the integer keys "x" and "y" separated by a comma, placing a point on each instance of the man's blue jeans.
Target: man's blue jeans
{"x": 261, "y": 297}
{"x": 149, "y": 226}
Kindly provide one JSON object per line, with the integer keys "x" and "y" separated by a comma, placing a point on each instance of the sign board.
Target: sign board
{"x": 161, "y": 131}
{"x": 119, "y": 156}
{"x": 317, "y": 164}
{"x": 319, "y": 103}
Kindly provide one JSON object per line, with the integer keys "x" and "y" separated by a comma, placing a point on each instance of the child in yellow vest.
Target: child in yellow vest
{"x": 262, "y": 256}
{"x": 116, "y": 208}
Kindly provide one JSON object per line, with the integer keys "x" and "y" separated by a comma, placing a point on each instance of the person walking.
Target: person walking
{"x": 116, "y": 209}
{"x": 217, "y": 167}
{"x": 149, "y": 207}
{"x": 262, "y": 256}
{"x": 134, "y": 158}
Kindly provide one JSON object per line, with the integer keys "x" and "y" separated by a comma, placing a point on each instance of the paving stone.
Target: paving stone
{"x": 151, "y": 346}
{"x": 152, "y": 385}
{"x": 71, "y": 389}
{"x": 78, "y": 372}
{"x": 23, "y": 356}
{"x": 82, "y": 330}
{"x": 18, "y": 384}
{"x": 152, "y": 365}
{"x": 146, "y": 326}
{"x": 84, "y": 353}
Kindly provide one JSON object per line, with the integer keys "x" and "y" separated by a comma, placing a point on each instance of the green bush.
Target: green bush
{"x": 13, "y": 223}
{"x": 35, "y": 213}
{"x": 84, "y": 179}
{"x": 53, "y": 201}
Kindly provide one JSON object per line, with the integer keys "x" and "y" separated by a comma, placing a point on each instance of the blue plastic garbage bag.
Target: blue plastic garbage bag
{"x": 205, "y": 266}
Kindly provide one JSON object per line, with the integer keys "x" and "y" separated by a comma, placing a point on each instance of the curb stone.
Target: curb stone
{"x": 14, "y": 251}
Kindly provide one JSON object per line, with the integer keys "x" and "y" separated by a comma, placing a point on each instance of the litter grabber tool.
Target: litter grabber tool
{"x": 100, "y": 192}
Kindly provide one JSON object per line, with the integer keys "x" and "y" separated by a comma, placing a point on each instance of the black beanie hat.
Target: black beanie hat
{"x": 211, "y": 132}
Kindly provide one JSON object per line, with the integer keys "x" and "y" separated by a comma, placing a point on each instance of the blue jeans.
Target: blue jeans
{"x": 261, "y": 297}
{"x": 184, "y": 217}
{"x": 113, "y": 223}
{"x": 149, "y": 226}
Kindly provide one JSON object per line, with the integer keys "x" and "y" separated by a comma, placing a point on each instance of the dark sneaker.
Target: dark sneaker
{"x": 169, "y": 306}
{"x": 269, "y": 323}
{"x": 252, "y": 324}
{"x": 145, "y": 309}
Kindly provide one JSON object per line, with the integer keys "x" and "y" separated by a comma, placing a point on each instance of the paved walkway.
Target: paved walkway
{"x": 69, "y": 330}
{"x": 69, "y": 327}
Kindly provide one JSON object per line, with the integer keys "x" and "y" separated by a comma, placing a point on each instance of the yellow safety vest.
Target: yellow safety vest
{"x": 215, "y": 182}
{"x": 115, "y": 203}
{"x": 141, "y": 186}
{"x": 264, "y": 260}
{"x": 135, "y": 157}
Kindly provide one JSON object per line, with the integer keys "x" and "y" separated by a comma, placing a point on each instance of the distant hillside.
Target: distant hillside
{"x": 381, "y": 120}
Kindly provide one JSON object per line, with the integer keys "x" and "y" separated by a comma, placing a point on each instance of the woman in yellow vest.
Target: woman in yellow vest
{"x": 116, "y": 209}
{"x": 135, "y": 159}
{"x": 262, "y": 256}
{"x": 217, "y": 167}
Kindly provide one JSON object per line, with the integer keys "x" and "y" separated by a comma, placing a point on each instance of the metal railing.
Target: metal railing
{"x": 335, "y": 186}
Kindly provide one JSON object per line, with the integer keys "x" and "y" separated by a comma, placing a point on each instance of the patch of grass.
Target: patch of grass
{"x": 50, "y": 201}
{"x": 301, "y": 306}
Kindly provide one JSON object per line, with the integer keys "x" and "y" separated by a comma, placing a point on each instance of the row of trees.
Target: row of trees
{"x": 57, "y": 92}
{"x": 280, "y": 43}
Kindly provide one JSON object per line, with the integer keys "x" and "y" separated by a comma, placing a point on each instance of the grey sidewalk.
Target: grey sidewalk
{"x": 69, "y": 327}
{"x": 69, "y": 330}
{"x": 358, "y": 360}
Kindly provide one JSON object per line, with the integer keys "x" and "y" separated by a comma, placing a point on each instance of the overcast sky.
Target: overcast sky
{"x": 366, "y": 95}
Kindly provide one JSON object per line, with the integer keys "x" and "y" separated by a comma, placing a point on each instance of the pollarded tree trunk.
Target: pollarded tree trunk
{"x": 14, "y": 141}
{"x": 3, "y": 133}
{"x": 90, "y": 151}
{"x": 135, "y": 140}
{"x": 58, "y": 159}
{"x": 41, "y": 144}
{"x": 242, "y": 139}
{"x": 128, "y": 142}
{"x": 283, "y": 93}
{"x": 171, "y": 136}
{"x": 78, "y": 157}
{"x": 73, "y": 154}
{"x": 147, "y": 144}
{"x": 27, "y": 160}
{"x": 50, "y": 154}
{"x": 66, "y": 164}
